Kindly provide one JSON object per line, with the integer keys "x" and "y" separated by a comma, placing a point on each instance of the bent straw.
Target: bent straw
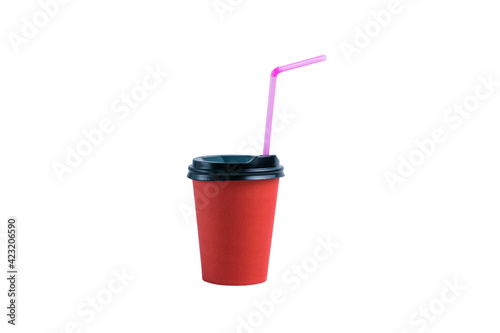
{"x": 272, "y": 92}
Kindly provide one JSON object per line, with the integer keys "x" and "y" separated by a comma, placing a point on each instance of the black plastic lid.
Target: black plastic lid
{"x": 235, "y": 167}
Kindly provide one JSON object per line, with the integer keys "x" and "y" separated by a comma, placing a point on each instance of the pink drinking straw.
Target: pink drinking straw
{"x": 272, "y": 92}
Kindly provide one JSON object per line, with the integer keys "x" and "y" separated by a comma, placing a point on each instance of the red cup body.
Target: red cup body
{"x": 235, "y": 226}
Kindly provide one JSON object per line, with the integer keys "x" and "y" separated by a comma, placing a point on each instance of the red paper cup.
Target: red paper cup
{"x": 235, "y": 199}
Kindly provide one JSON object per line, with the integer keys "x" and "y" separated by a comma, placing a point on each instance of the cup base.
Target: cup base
{"x": 239, "y": 283}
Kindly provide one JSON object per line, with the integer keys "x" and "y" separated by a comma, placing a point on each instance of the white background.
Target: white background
{"x": 128, "y": 205}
